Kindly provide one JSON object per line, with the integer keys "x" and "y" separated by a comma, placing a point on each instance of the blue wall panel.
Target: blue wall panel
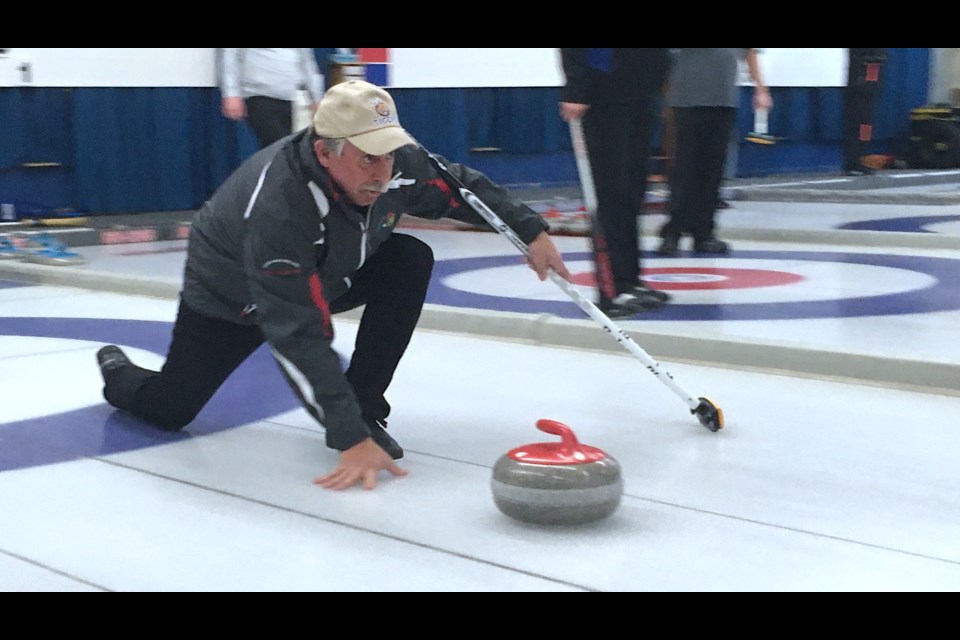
{"x": 120, "y": 150}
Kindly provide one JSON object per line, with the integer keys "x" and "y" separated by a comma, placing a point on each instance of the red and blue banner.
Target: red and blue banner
{"x": 377, "y": 65}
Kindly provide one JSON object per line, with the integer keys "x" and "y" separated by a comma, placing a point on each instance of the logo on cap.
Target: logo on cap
{"x": 383, "y": 110}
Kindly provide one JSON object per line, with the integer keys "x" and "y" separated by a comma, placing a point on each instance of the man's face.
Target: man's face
{"x": 361, "y": 176}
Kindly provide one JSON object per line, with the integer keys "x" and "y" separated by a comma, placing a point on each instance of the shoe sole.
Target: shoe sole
{"x": 671, "y": 250}
{"x": 658, "y": 297}
{"x": 653, "y": 306}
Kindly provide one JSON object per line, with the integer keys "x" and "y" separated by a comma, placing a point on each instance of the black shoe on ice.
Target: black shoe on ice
{"x": 111, "y": 358}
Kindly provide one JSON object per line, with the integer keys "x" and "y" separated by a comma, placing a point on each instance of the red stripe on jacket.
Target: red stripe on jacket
{"x": 320, "y": 302}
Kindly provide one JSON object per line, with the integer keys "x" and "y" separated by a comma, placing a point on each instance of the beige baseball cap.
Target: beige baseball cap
{"x": 364, "y": 114}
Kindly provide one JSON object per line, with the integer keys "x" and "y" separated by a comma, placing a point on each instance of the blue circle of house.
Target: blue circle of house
{"x": 256, "y": 390}
{"x": 942, "y": 295}
{"x": 911, "y": 224}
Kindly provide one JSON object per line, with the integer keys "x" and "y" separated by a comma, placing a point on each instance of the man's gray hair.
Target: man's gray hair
{"x": 334, "y": 145}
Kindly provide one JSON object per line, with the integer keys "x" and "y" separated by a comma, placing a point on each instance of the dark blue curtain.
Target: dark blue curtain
{"x": 120, "y": 150}
{"x": 453, "y": 122}
{"x": 36, "y": 143}
{"x": 11, "y": 128}
{"x": 436, "y": 118}
{"x": 35, "y": 126}
{"x": 152, "y": 149}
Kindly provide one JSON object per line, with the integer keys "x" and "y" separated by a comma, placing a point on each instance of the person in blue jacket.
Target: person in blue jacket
{"x": 616, "y": 94}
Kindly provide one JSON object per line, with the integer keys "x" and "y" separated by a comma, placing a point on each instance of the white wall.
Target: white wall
{"x": 475, "y": 67}
{"x": 527, "y": 67}
{"x": 810, "y": 67}
{"x": 945, "y": 76}
{"x": 108, "y": 67}
{"x": 467, "y": 67}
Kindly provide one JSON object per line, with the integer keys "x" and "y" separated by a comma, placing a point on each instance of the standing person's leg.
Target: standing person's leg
{"x": 638, "y": 133}
{"x": 873, "y": 75}
{"x": 614, "y": 231}
{"x": 856, "y": 101}
{"x": 730, "y": 168}
{"x": 203, "y": 353}
{"x": 270, "y": 118}
{"x": 393, "y": 285}
{"x": 636, "y": 130}
{"x": 714, "y": 125}
{"x": 683, "y": 177}
{"x": 733, "y": 152}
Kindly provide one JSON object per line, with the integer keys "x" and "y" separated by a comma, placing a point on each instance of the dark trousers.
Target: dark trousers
{"x": 204, "y": 351}
{"x": 700, "y": 155}
{"x": 618, "y": 138}
{"x": 270, "y": 118}
{"x": 859, "y": 100}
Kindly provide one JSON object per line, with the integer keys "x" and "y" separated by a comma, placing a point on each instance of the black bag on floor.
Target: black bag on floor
{"x": 934, "y": 137}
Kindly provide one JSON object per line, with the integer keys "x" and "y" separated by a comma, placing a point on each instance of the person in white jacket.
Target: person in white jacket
{"x": 260, "y": 85}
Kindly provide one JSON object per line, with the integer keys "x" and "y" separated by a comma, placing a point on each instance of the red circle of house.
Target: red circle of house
{"x": 703, "y": 278}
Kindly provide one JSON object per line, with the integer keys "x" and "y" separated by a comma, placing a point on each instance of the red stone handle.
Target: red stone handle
{"x": 569, "y": 440}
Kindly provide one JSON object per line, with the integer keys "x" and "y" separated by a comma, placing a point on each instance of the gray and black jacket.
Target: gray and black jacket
{"x": 279, "y": 240}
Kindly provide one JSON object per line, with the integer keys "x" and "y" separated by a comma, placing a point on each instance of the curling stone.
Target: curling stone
{"x": 562, "y": 482}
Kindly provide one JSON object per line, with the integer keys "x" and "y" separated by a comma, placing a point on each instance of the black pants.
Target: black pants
{"x": 859, "y": 101}
{"x": 700, "y": 155}
{"x": 204, "y": 351}
{"x": 618, "y": 138}
{"x": 270, "y": 118}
